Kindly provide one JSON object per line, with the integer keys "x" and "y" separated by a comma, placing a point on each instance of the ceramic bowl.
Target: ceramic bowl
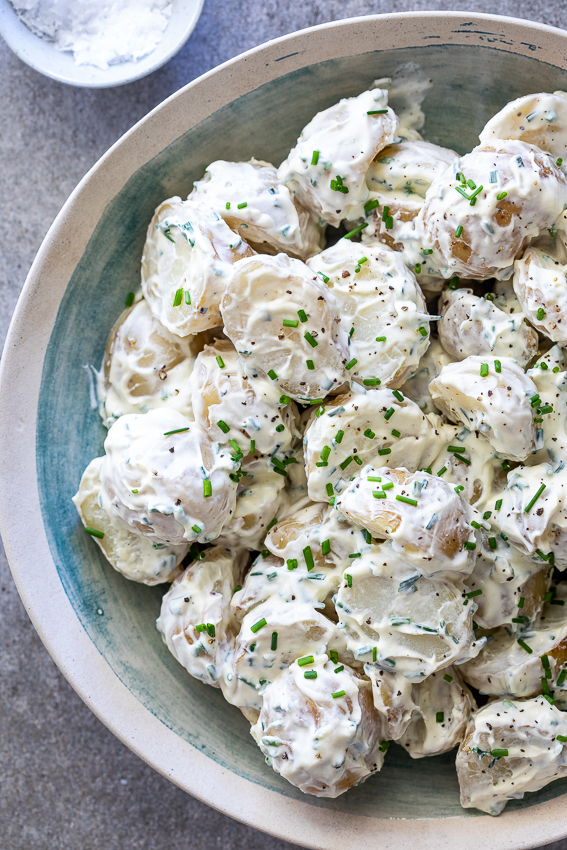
{"x": 42, "y": 56}
{"x": 99, "y": 627}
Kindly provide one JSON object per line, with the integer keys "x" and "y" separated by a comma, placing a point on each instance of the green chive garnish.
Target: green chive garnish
{"x": 326, "y": 547}
{"x": 389, "y": 413}
{"x": 345, "y": 462}
{"x": 207, "y": 488}
{"x": 329, "y": 489}
{"x": 532, "y": 501}
{"x": 423, "y": 331}
{"x": 562, "y": 676}
{"x": 220, "y": 361}
{"x": 274, "y": 644}
{"x": 176, "y": 431}
{"x": 377, "y": 112}
{"x": 339, "y": 436}
{"x": 469, "y": 546}
{"x": 178, "y": 298}
{"x": 492, "y": 542}
{"x": 380, "y": 339}
{"x": 271, "y": 374}
{"x": 292, "y": 563}
{"x": 241, "y": 206}
{"x": 310, "y": 365}
{"x": 355, "y": 231}
{"x": 498, "y": 754}
{"x": 395, "y": 433}
{"x": 458, "y": 231}
{"x": 472, "y": 593}
{"x": 384, "y": 451}
{"x": 370, "y": 434}
{"x": 129, "y": 299}
{"x": 439, "y": 716}
{"x": 540, "y": 313}
{"x": 483, "y": 370}
{"x": 338, "y": 694}
{"x": 371, "y": 382}
{"x": 348, "y": 579}
{"x": 196, "y": 528}
{"x": 312, "y": 342}
{"x": 497, "y": 366}
{"x": 315, "y": 158}
{"x": 308, "y": 555}
{"x": 259, "y": 625}
{"x": 407, "y": 501}
{"x": 302, "y": 315}
{"x": 448, "y": 678}
{"x": 223, "y": 426}
{"x": 307, "y": 659}
{"x": 290, "y": 323}
{"x": 94, "y": 533}
{"x": 351, "y": 363}
{"x": 371, "y": 205}
{"x": 501, "y": 196}
{"x": 524, "y": 645}
{"x": 310, "y": 674}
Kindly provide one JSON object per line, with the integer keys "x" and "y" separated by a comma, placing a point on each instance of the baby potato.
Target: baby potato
{"x": 272, "y": 636}
{"x": 430, "y": 365}
{"x": 144, "y": 367}
{"x": 195, "y": 621}
{"x": 491, "y": 396}
{"x": 327, "y": 168}
{"x": 234, "y": 406}
{"x": 398, "y": 621}
{"x": 380, "y": 427}
{"x": 551, "y": 412}
{"x": 283, "y": 322}
{"x": 165, "y": 479}
{"x": 391, "y": 693}
{"x": 532, "y": 511}
{"x": 261, "y": 495}
{"x": 471, "y": 325}
{"x": 523, "y": 663}
{"x": 255, "y": 203}
{"x": 428, "y": 523}
{"x": 510, "y": 748}
{"x": 383, "y": 318}
{"x": 443, "y": 706}
{"x": 187, "y": 262}
{"x": 319, "y": 729}
{"x": 479, "y": 217}
{"x": 541, "y": 286}
{"x": 135, "y": 557}
{"x": 513, "y": 587}
{"x": 538, "y": 119}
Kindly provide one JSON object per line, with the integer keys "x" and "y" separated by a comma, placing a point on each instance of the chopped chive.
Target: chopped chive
{"x": 271, "y": 374}
{"x": 307, "y": 659}
{"x": 374, "y": 654}
{"x": 207, "y": 488}
{"x": 345, "y": 462}
{"x": 540, "y": 314}
{"x": 492, "y": 542}
{"x": 498, "y": 504}
{"x": 395, "y": 433}
{"x": 339, "y": 436}
{"x": 384, "y": 746}
{"x": 340, "y": 668}
{"x": 388, "y": 485}
{"x": 483, "y": 370}
{"x": 370, "y": 434}
{"x": 382, "y": 452}
{"x": 562, "y": 677}
{"x": 371, "y": 382}
{"x": 259, "y": 625}
{"x": 271, "y": 524}
{"x": 524, "y": 645}
{"x": 475, "y": 524}
{"x": 351, "y": 363}
{"x": 357, "y": 460}
{"x": 355, "y": 555}
{"x": 348, "y": 579}
{"x": 380, "y": 339}
{"x": 417, "y": 268}
{"x": 312, "y": 342}
{"x": 323, "y": 277}
{"x": 274, "y": 644}
{"x": 355, "y": 231}
{"x": 472, "y": 593}
{"x": 521, "y": 601}
{"x": 178, "y": 298}
{"x": 463, "y": 459}
{"x": 423, "y": 331}
{"x": 442, "y": 471}
{"x": 196, "y": 528}
{"x": 389, "y": 413}
{"x": 407, "y": 501}
{"x": 499, "y": 753}
{"x": 241, "y": 206}
{"x": 561, "y": 738}
{"x": 315, "y": 158}
{"x": 325, "y": 452}
{"x": 532, "y": 501}
{"x": 310, "y": 674}
{"x": 469, "y": 546}
{"x": 459, "y": 488}
{"x": 326, "y": 547}
{"x": 501, "y": 196}
{"x": 94, "y": 533}
{"x": 310, "y": 365}
{"x": 292, "y": 563}
{"x": 338, "y": 694}
{"x": 329, "y": 488}
{"x": 487, "y": 515}
{"x": 290, "y": 323}
{"x": 227, "y": 205}
{"x": 458, "y": 231}
{"x": 547, "y": 408}
{"x": 284, "y": 399}
{"x": 377, "y": 112}
{"x": 456, "y": 449}
{"x": 559, "y": 161}
{"x": 302, "y": 315}
{"x": 308, "y": 555}
{"x": 439, "y": 717}
{"x": 497, "y": 366}
{"x": 187, "y": 296}
{"x": 506, "y": 465}
{"x": 448, "y": 678}
{"x": 371, "y": 205}
{"x": 223, "y": 426}
{"x": 129, "y": 299}
{"x": 134, "y": 491}
{"x": 176, "y": 431}
{"x": 220, "y": 361}
{"x": 373, "y": 478}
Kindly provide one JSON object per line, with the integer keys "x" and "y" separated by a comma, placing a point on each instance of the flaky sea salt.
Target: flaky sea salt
{"x": 98, "y": 32}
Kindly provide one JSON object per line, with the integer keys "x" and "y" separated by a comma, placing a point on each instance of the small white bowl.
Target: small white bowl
{"x": 42, "y": 56}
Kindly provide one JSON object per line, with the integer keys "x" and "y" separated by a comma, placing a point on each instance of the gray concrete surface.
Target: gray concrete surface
{"x": 65, "y": 781}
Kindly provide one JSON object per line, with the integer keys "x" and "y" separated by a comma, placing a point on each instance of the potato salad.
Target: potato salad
{"x": 336, "y": 413}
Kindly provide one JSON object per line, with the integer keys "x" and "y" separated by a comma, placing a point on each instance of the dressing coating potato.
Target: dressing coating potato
{"x": 165, "y": 479}
{"x": 327, "y": 167}
{"x": 255, "y": 203}
{"x": 417, "y": 386}
{"x": 196, "y": 621}
{"x": 426, "y": 520}
{"x": 144, "y": 367}
{"x": 135, "y": 557}
{"x": 471, "y": 325}
{"x": 496, "y": 199}
{"x": 187, "y": 262}
{"x": 320, "y": 733}
{"x": 305, "y": 358}
{"x": 492, "y": 396}
{"x": 541, "y": 286}
{"x": 538, "y": 119}
{"x": 383, "y": 319}
{"x": 551, "y": 413}
{"x": 510, "y": 748}
{"x": 380, "y": 427}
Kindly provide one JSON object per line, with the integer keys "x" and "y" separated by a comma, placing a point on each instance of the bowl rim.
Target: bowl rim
{"x": 32, "y": 49}
{"x": 21, "y": 522}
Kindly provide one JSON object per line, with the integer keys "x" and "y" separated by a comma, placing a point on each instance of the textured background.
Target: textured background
{"x": 65, "y": 781}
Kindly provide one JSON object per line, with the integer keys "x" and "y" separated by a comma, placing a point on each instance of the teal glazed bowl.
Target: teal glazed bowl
{"x": 99, "y": 627}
